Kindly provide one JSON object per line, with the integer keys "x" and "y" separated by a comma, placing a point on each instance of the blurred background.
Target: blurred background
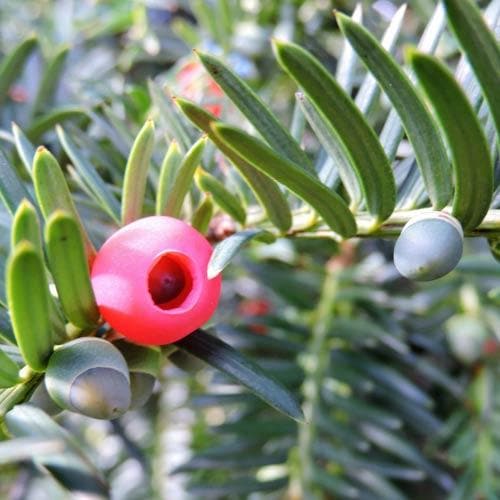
{"x": 408, "y": 405}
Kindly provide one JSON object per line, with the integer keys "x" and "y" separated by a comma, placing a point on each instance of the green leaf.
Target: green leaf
{"x": 493, "y": 295}
{"x": 186, "y": 31}
{"x": 224, "y": 24}
{"x": 256, "y": 111}
{"x": 136, "y": 172}
{"x": 363, "y": 411}
{"x": 120, "y": 143}
{"x": 226, "y": 250}
{"x": 347, "y": 65}
{"x": 50, "y": 79}
{"x": 242, "y": 487}
{"x": 247, "y": 461}
{"x": 12, "y": 190}
{"x": 260, "y": 344}
{"x": 90, "y": 176}
{"x": 9, "y": 372}
{"x": 266, "y": 191}
{"x": 435, "y": 374}
{"x": 386, "y": 376}
{"x": 223, "y": 357}
{"x": 53, "y": 193}
{"x": 47, "y": 121}
{"x": 327, "y": 203}
{"x": 346, "y": 121}
{"x": 25, "y": 226}
{"x": 226, "y": 200}
{"x": 481, "y": 47}
{"x": 476, "y": 265}
{"x": 23, "y": 449}
{"x": 111, "y": 23}
{"x": 205, "y": 16}
{"x": 362, "y": 331}
{"x": 433, "y": 31}
{"x": 29, "y": 305}
{"x": 392, "y": 131}
{"x": 333, "y": 146}
{"x": 203, "y": 215}
{"x": 14, "y": 395}
{"x": 140, "y": 358}
{"x": 262, "y": 429}
{"x": 206, "y": 400}
{"x": 376, "y": 484}
{"x": 117, "y": 128}
{"x": 298, "y": 123}
{"x": 464, "y": 72}
{"x": 327, "y": 451}
{"x": 399, "y": 447}
{"x": 71, "y": 468}
{"x": 422, "y": 421}
{"x": 494, "y": 244}
{"x": 334, "y": 484}
{"x": 12, "y": 65}
{"x": 369, "y": 90}
{"x": 411, "y": 188}
{"x": 25, "y": 148}
{"x": 473, "y": 168}
{"x": 6, "y": 332}
{"x": 67, "y": 260}
{"x": 467, "y": 483}
{"x": 420, "y": 127}
{"x": 181, "y": 180}
{"x": 168, "y": 170}
{"x": 169, "y": 118}
{"x": 13, "y": 352}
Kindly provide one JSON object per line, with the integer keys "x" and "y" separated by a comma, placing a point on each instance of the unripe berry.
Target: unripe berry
{"x": 150, "y": 280}
{"x": 89, "y": 376}
{"x": 429, "y": 246}
{"x": 466, "y": 336}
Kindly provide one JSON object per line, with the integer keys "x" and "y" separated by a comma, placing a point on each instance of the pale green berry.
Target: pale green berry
{"x": 429, "y": 246}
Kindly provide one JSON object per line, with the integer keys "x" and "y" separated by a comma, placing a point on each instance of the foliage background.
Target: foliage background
{"x": 398, "y": 381}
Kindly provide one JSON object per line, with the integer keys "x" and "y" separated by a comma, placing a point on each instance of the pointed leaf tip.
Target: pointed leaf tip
{"x": 227, "y": 249}
{"x": 177, "y": 176}
{"x": 52, "y": 192}
{"x": 136, "y": 171}
{"x": 225, "y": 358}
{"x": 256, "y": 111}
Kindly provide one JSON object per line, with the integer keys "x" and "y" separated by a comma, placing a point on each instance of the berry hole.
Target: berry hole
{"x": 170, "y": 281}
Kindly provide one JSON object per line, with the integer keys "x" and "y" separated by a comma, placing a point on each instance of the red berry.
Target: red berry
{"x": 150, "y": 280}
{"x": 195, "y": 84}
{"x": 254, "y": 307}
{"x": 490, "y": 347}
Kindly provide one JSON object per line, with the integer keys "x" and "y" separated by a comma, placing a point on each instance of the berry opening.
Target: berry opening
{"x": 170, "y": 281}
